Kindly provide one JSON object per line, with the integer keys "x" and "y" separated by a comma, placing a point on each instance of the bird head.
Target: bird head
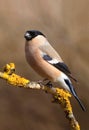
{"x": 29, "y": 35}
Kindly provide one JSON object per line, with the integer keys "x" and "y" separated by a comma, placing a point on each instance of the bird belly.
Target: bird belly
{"x": 43, "y": 68}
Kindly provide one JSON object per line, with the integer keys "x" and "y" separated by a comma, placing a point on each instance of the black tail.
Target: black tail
{"x": 75, "y": 94}
{"x": 80, "y": 103}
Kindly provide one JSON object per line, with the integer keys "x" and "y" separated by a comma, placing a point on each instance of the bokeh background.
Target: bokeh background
{"x": 66, "y": 24}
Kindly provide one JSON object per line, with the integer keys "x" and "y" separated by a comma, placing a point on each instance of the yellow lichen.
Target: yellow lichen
{"x": 17, "y": 80}
{"x": 9, "y": 68}
{"x": 63, "y": 98}
{"x": 13, "y": 78}
{"x": 75, "y": 125}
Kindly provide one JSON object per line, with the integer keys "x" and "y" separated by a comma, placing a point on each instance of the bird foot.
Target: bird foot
{"x": 49, "y": 84}
{"x": 45, "y": 82}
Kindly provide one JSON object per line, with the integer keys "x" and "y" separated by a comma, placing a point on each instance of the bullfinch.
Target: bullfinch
{"x": 43, "y": 58}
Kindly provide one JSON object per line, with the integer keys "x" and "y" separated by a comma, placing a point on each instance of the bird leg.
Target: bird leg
{"x": 49, "y": 84}
{"x": 45, "y": 82}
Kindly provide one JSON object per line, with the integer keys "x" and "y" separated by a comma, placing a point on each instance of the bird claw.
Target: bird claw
{"x": 49, "y": 84}
{"x": 45, "y": 82}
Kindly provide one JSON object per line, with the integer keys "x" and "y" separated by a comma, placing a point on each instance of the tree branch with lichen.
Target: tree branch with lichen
{"x": 60, "y": 96}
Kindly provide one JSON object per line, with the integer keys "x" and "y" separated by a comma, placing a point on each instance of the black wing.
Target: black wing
{"x": 59, "y": 65}
{"x": 63, "y": 67}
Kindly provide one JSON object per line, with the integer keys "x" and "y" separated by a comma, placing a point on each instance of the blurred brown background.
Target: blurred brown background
{"x": 66, "y": 24}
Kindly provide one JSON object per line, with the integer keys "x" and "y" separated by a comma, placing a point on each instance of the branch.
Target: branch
{"x": 59, "y": 95}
